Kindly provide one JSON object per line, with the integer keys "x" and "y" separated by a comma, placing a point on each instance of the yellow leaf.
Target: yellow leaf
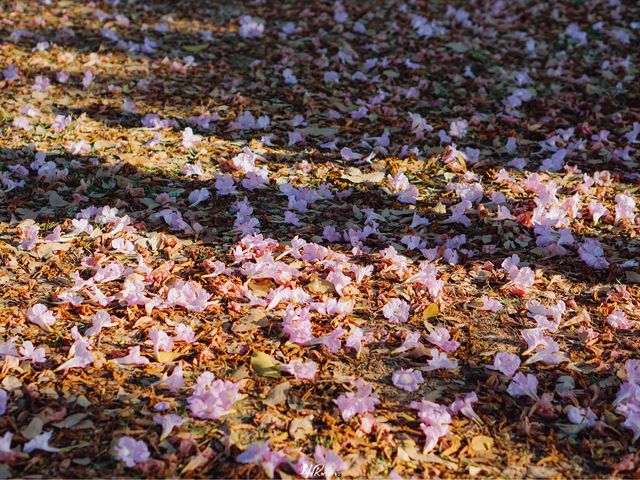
{"x": 166, "y": 357}
{"x": 264, "y": 365}
{"x": 431, "y": 311}
{"x": 481, "y": 444}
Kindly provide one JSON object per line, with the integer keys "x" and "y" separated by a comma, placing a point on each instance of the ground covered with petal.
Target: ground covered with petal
{"x": 366, "y": 239}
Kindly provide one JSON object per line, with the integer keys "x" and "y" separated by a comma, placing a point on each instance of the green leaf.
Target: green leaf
{"x": 195, "y": 48}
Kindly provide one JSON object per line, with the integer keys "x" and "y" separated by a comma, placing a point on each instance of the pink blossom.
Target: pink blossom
{"x": 79, "y": 353}
{"x": 523, "y": 385}
{"x": 175, "y": 381}
{"x": 506, "y": 363}
{"x": 411, "y": 341}
{"x": 597, "y": 210}
{"x": 550, "y": 353}
{"x": 29, "y": 236}
{"x": 261, "y": 454}
{"x": 465, "y": 406}
{"x": 490, "y": 304}
{"x": 131, "y": 451}
{"x": 189, "y": 139}
{"x": 189, "y": 295}
{"x": 161, "y": 341}
{"x": 330, "y": 460}
{"x": 184, "y": 333}
{"x": 332, "y": 341}
{"x": 625, "y": 208}
{"x": 618, "y": 320}
{"x": 442, "y": 338}
{"x": 101, "y": 319}
{"x": 168, "y": 423}
{"x": 41, "y": 316}
{"x": 407, "y": 379}
{"x": 301, "y": 370}
{"x": 362, "y": 401}
{"x": 133, "y": 358}
{"x": 296, "y": 325}
{"x": 435, "y": 421}
{"x": 211, "y": 398}
{"x": 396, "y": 310}
{"x": 339, "y": 281}
{"x": 29, "y": 352}
{"x": 439, "y": 360}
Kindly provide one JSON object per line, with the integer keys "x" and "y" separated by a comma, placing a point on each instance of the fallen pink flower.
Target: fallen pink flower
{"x": 131, "y": 451}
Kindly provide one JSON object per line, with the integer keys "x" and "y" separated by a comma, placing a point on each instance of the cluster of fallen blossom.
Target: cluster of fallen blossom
{"x": 314, "y": 281}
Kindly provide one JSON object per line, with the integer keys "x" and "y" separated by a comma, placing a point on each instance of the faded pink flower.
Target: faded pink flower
{"x": 212, "y": 398}
{"x": 407, "y": 379}
{"x": 396, "y": 310}
{"x": 131, "y": 451}
{"x": 522, "y": 385}
{"x": 362, "y": 401}
{"x": 41, "y": 316}
{"x": 506, "y": 363}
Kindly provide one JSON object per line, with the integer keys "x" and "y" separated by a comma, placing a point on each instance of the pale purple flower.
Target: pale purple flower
{"x": 632, "y": 367}
{"x": 465, "y": 406}
{"x": 442, "y": 338}
{"x": 362, "y": 401}
{"x": 332, "y": 341}
{"x": 522, "y": 385}
{"x": 261, "y": 454}
{"x": 506, "y": 363}
{"x": 168, "y": 423}
{"x": 87, "y": 78}
{"x": 189, "y": 139}
{"x": 439, "y": 360}
{"x": 581, "y": 416}
{"x": 396, "y": 310}
{"x": 198, "y": 196}
{"x": 5, "y": 447}
{"x": 592, "y": 253}
{"x": 4, "y": 396}
{"x": 40, "y": 442}
{"x": 175, "y": 381}
{"x": 301, "y": 370}
{"x": 250, "y": 27}
{"x": 407, "y": 379}
{"x": 41, "y": 316}
{"x": 131, "y": 451}
{"x": 458, "y": 128}
{"x": 133, "y": 358}
{"x": 41, "y": 84}
{"x": 490, "y": 304}
{"x": 22, "y": 123}
{"x": 225, "y": 184}
{"x": 212, "y": 398}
